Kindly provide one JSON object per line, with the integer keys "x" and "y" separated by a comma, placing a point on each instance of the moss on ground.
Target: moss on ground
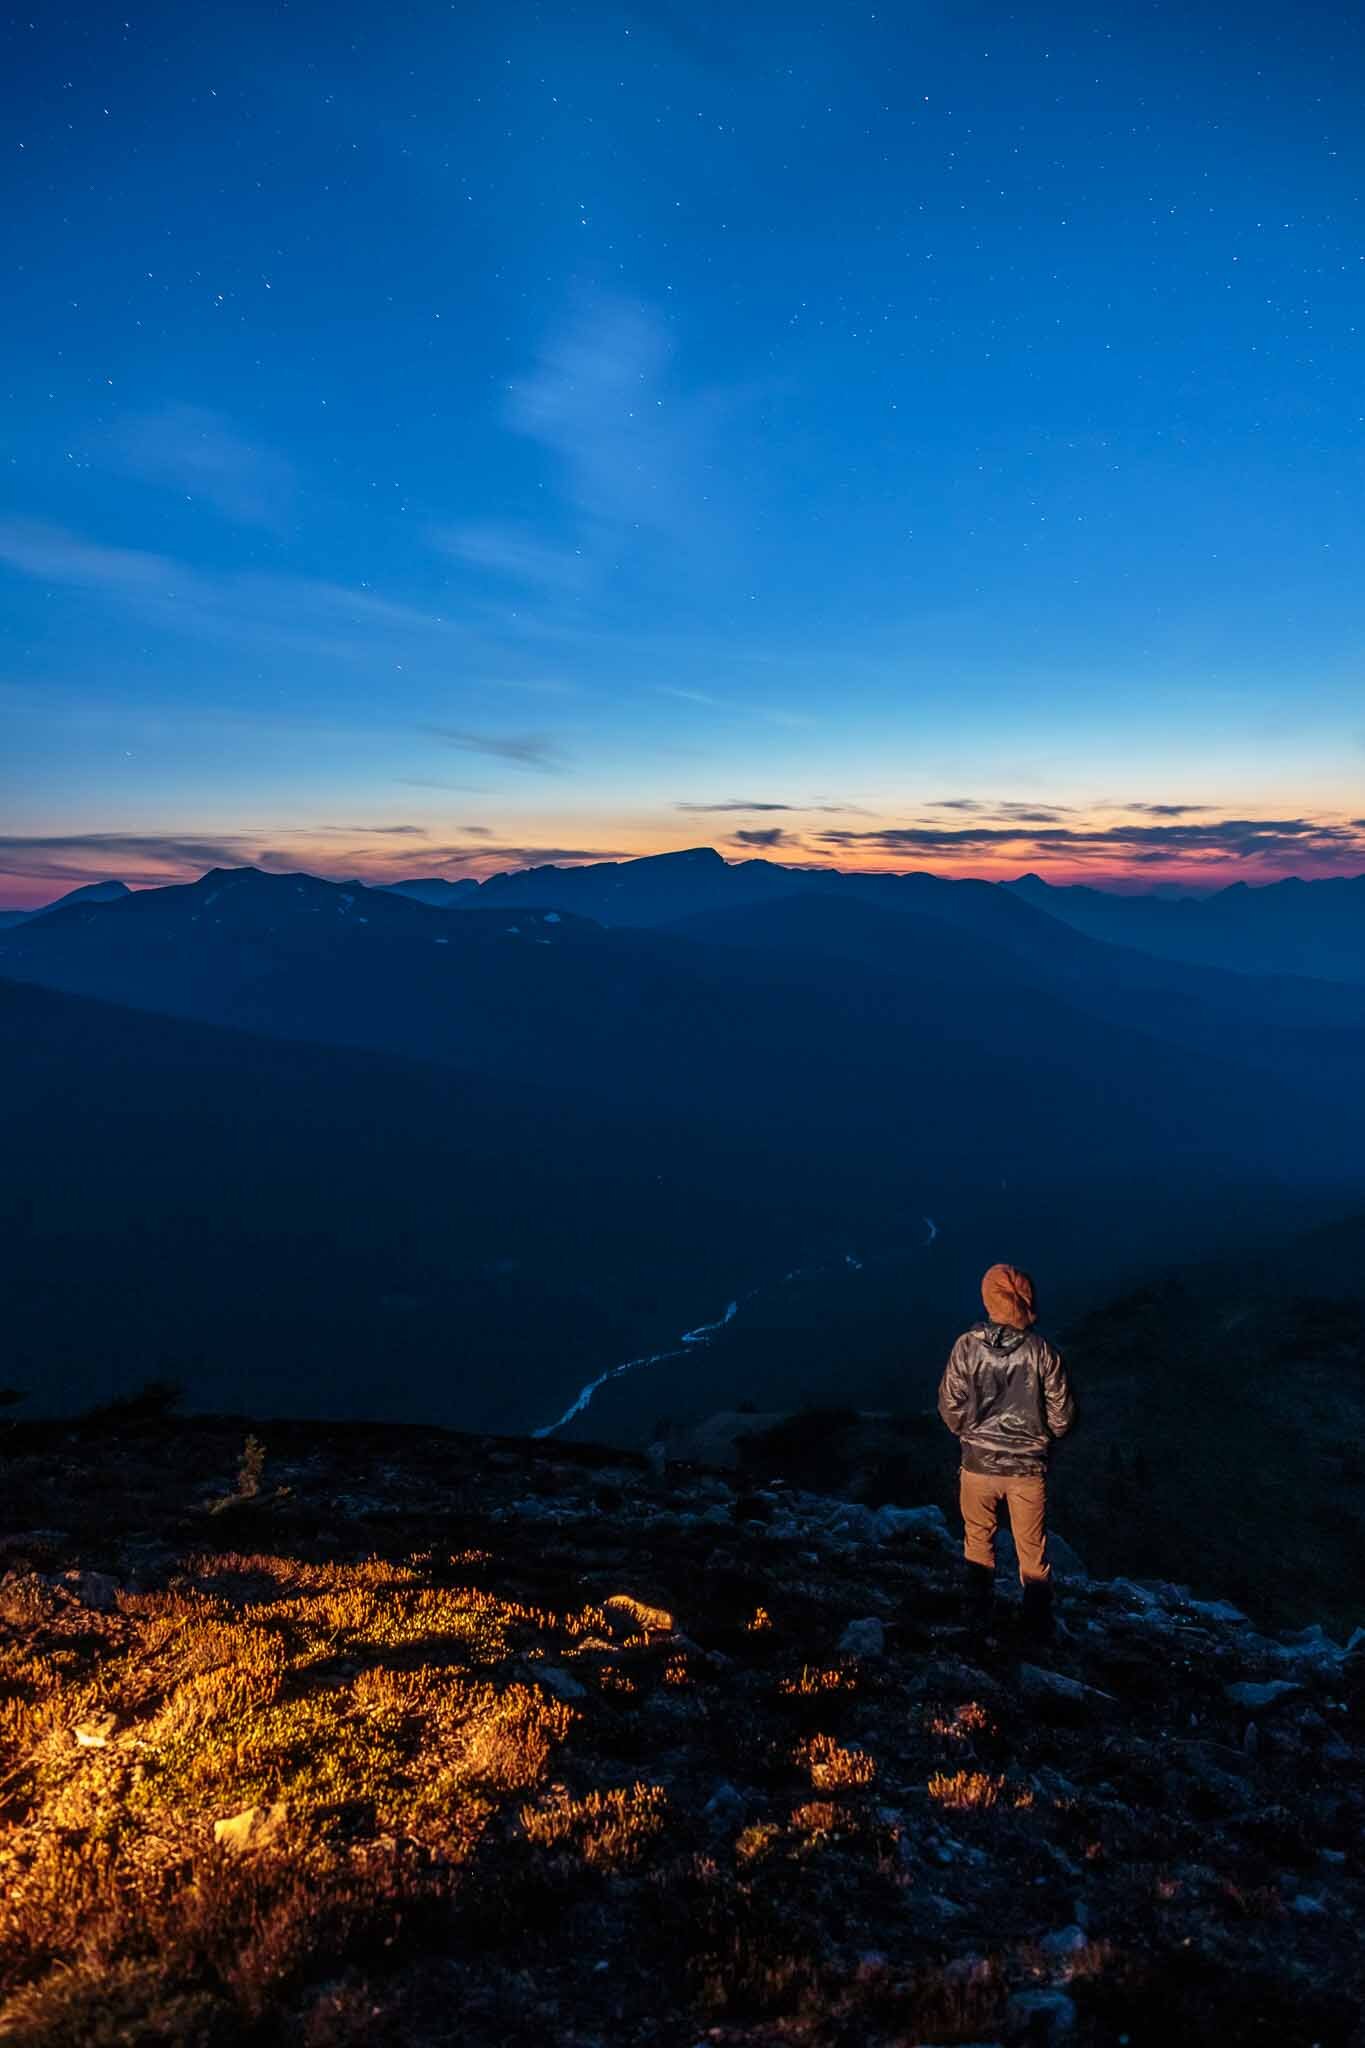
{"x": 532, "y": 1746}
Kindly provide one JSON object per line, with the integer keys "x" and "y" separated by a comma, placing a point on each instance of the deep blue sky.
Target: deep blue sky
{"x": 935, "y": 433}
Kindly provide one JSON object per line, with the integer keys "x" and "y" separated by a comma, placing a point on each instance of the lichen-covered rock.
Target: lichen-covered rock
{"x": 255, "y": 1827}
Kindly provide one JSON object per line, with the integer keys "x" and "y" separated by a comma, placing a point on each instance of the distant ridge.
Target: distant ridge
{"x": 1313, "y": 929}
{"x": 88, "y": 892}
{"x": 1294, "y": 926}
{"x": 435, "y": 890}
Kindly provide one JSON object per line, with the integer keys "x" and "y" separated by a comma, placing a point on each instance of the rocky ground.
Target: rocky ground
{"x": 390, "y": 1736}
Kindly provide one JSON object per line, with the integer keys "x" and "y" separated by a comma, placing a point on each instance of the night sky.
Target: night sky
{"x": 437, "y": 438}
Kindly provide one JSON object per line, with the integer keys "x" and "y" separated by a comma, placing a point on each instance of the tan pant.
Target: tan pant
{"x": 983, "y": 1493}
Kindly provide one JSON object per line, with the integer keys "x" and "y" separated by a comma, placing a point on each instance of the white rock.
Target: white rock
{"x": 255, "y": 1827}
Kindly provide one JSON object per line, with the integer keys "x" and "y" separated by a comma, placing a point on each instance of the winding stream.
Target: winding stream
{"x": 690, "y": 1340}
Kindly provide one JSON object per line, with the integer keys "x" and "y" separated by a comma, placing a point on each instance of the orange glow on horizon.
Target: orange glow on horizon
{"x": 1117, "y": 851}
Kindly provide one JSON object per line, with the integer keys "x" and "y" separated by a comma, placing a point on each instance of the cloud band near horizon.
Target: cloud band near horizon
{"x": 1208, "y": 852}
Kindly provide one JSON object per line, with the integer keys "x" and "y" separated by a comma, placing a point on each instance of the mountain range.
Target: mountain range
{"x": 558, "y": 1135}
{"x": 1293, "y": 927}
{"x": 1289, "y": 927}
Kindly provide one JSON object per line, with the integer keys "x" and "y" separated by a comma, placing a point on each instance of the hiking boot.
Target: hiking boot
{"x": 978, "y": 1601}
{"x": 1035, "y": 1617}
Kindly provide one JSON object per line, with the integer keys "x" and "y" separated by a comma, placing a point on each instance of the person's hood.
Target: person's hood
{"x": 1003, "y": 1337}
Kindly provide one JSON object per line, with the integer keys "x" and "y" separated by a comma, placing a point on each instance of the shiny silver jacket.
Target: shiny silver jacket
{"x": 1004, "y": 1394}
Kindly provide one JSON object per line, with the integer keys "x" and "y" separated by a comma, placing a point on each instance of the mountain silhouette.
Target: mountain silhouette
{"x": 1289, "y": 927}
{"x": 88, "y": 892}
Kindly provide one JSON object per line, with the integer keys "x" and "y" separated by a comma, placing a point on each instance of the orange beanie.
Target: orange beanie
{"x": 1008, "y": 1295}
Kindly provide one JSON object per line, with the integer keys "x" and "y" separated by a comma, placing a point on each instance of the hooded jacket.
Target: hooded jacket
{"x": 1004, "y": 1394}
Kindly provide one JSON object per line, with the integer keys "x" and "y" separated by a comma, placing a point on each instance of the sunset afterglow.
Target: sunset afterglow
{"x": 905, "y": 445}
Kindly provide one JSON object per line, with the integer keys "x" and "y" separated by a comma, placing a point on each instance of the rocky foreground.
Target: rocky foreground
{"x": 383, "y": 1736}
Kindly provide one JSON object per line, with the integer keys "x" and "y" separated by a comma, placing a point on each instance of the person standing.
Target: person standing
{"x": 1006, "y": 1398}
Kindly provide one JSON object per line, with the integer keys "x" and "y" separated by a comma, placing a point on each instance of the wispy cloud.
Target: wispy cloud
{"x": 1018, "y": 813}
{"x": 432, "y": 782}
{"x": 767, "y": 835}
{"x": 735, "y": 804}
{"x": 595, "y": 400}
{"x": 743, "y": 804}
{"x": 527, "y": 750}
{"x": 153, "y": 859}
{"x": 684, "y": 696}
{"x": 295, "y": 613}
{"x": 492, "y": 858}
{"x": 1234, "y": 841}
{"x": 634, "y": 459}
{"x": 1164, "y": 810}
{"x": 201, "y": 455}
{"x": 134, "y": 857}
{"x": 50, "y": 553}
{"x": 512, "y": 552}
{"x": 375, "y": 831}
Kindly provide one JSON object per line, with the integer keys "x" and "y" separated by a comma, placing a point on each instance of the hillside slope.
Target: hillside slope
{"x": 321, "y": 1230}
{"x": 405, "y": 1738}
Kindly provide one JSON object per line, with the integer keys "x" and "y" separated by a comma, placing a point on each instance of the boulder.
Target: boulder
{"x": 1055, "y": 1685}
{"x": 866, "y": 1638}
{"x": 1040, "y": 2015}
{"x": 725, "y": 1807}
{"x": 96, "y": 1733}
{"x": 95, "y": 1590}
{"x": 850, "y": 1518}
{"x": 1218, "y": 1610}
{"x": 1248, "y": 1693}
{"x": 1310, "y": 1646}
{"x": 929, "y": 1521}
{"x": 561, "y": 1683}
